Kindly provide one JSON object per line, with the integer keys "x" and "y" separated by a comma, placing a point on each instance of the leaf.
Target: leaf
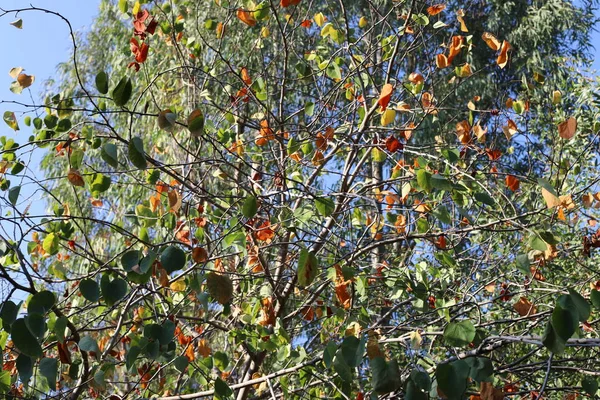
{"x": 385, "y": 96}
{"x": 246, "y": 17}
{"x": 524, "y": 307}
{"x": 565, "y": 318}
{"x": 502, "y": 59}
{"x": 590, "y": 385}
{"x": 15, "y": 71}
{"x": 219, "y": 287}
{"x": 250, "y": 207}
{"x": 13, "y": 194}
{"x": 452, "y": 379}
{"x": 172, "y": 259}
{"x": 307, "y": 267}
{"x": 459, "y": 334}
{"x": 567, "y": 129}
{"x": 435, "y": 9}
{"x": 424, "y": 180}
{"x": 480, "y": 368}
{"x": 491, "y": 41}
{"x": 102, "y": 82}
{"x": 87, "y": 343}
{"x": 17, "y": 23}
{"x": 388, "y": 116}
{"x": 60, "y": 326}
{"x": 41, "y": 302}
{"x": 8, "y": 312}
{"x": 11, "y": 120}
{"x": 136, "y": 152}
{"x": 25, "y": 367}
{"x": 222, "y": 390}
{"x": 112, "y": 290}
{"x": 324, "y": 206}
{"x": 581, "y": 305}
{"x": 48, "y": 368}
{"x": 75, "y": 178}
{"x": 385, "y": 375}
{"x": 333, "y": 71}
{"x": 24, "y": 340}
{"x": 122, "y": 92}
{"x": 89, "y": 290}
{"x": 181, "y": 363}
{"x": 50, "y": 244}
{"x": 512, "y": 183}
{"x": 595, "y": 299}
{"x": 167, "y": 120}
{"x": 109, "y": 154}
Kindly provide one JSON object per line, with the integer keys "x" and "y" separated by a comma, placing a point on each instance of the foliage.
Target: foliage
{"x": 296, "y": 199}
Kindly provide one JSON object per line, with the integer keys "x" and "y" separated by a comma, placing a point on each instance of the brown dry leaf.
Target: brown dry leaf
{"x": 567, "y": 129}
{"x": 203, "y": 348}
{"x": 487, "y": 391}
{"x": 491, "y": 41}
{"x": 479, "y": 131}
{"x": 510, "y": 129}
{"x": 524, "y": 307}
{"x": 163, "y": 277}
{"x": 25, "y": 80}
{"x": 460, "y": 17}
{"x": 490, "y": 287}
{"x": 587, "y": 199}
{"x": 373, "y": 350}
{"x": 75, "y": 178}
{"x": 463, "y": 131}
{"x": 436, "y": 9}
{"x": 174, "y": 201}
{"x": 441, "y": 61}
{"x": 199, "y": 255}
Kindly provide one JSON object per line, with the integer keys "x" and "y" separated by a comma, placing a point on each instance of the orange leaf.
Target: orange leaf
{"x": 457, "y": 44}
{"x": 385, "y": 96}
{"x": 246, "y": 17}
{"x": 25, "y": 80}
{"x": 436, "y": 9}
{"x": 493, "y": 154}
{"x": 491, "y": 41}
{"x": 307, "y": 23}
{"x": 203, "y": 348}
{"x": 567, "y": 129}
{"x": 512, "y": 183}
{"x": 441, "y": 61}
{"x": 174, "y": 200}
{"x": 287, "y": 3}
{"x": 463, "y": 130}
{"x": 199, "y": 255}
{"x": 510, "y": 130}
{"x": 524, "y": 307}
{"x": 246, "y": 76}
{"x": 460, "y": 17}
{"x": 503, "y": 56}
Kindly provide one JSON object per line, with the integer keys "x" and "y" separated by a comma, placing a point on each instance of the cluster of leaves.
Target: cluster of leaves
{"x": 308, "y": 199}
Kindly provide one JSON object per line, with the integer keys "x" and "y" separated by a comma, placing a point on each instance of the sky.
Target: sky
{"x": 41, "y": 44}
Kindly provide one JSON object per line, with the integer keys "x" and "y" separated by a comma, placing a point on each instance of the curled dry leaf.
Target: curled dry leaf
{"x": 503, "y": 56}
{"x": 246, "y": 17}
{"x": 524, "y": 307}
{"x": 512, "y": 183}
{"x": 441, "y": 61}
{"x": 566, "y": 129}
{"x": 460, "y": 14}
{"x": 25, "y": 80}
{"x": 14, "y": 72}
{"x": 288, "y": 3}
{"x": 491, "y": 41}
{"x": 436, "y": 9}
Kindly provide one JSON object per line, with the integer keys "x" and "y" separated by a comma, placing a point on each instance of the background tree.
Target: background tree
{"x": 306, "y": 200}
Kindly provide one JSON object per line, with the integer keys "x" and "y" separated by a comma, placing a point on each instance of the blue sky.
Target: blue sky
{"x": 39, "y": 47}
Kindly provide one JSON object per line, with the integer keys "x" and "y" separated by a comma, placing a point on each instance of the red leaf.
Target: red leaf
{"x": 512, "y": 183}
{"x": 287, "y": 3}
{"x": 385, "y": 96}
{"x": 392, "y": 144}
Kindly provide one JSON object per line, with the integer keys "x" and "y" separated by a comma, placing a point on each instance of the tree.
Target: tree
{"x": 309, "y": 199}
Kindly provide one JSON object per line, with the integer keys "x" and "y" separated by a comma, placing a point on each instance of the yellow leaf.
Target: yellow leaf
{"x": 556, "y": 97}
{"x": 178, "y": 286}
{"x": 320, "y": 20}
{"x": 491, "y": 41}
{"x": 363, "y": 22}
{"x": 503, "y": 56}
{"x": 14, "y": 72}
{"x": 551, "y": 199}
{"x": 136, "y": 8}
{"x": 388, "y": 117}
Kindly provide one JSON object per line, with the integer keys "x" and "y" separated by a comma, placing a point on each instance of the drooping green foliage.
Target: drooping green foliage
{"x": 295, "y": 199}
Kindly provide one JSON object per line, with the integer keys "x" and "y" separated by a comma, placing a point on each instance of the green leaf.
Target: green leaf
{"x": 51, "y": 244}
{"x": 181, "y": 363}
{"x": 221, "y": 360}
{"x": 63, "y": 126}
{"x": 112, "y": 290}
{"x": 25, "y": 368}
{"x": 325, "y": 206}
{"x": 89, "y": 290}
{"x": 24, "y": 339}
{"x": 130, "y": 260}
{"x": 352, "y": 350}
{"x": 250, "y": 207}
{"x": 99, "y": 184}
{"x": 135, "y": 152}
{"x": 481, "y": 368}
{"x": 5, "y": 381}
{"x": 459, "y": 334}
{"x": 123, "y": 6}
{"x": 484, "y": 198}
{"x": 36, "y": 324}
{"x": 565, "y": 318}
{"x": 385, "y": 376}
{"x": 222, "y": 390}
{"x": 60, "y": 326}
{"x": 333, "y": 71}
{"x": 308, "y": 267}
{"x": 132, "y": 355}
{"x": 590, "y": 385}
{"x": 452, "y": 379}
{"x": 595, "y": 298}
{"x": 76, "y": 158}
{"x": 440, "y": 182}
{"x": 341, "y": 367}
{"x": 8, "y": 313}
{"x": 102, "y": 82}
{"x": 11, "y": 120}
{"x": 49, "y": 369}
{"x": 172, "y": 259}
{"x": 552, "y": 341}
{"x": 122, "y": 92}
{"x": 581, "y": 304}
{"x": 537, "y": 243}
{"x": 424, "y": 180}
{"x": 87, "y": 343}
{"x": 13, "y": 194}
{"x": 41, "y": 302}
{"x": 109, "y": 154}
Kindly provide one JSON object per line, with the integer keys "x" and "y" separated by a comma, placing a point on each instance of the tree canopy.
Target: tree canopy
{"x": 306, "y": 199}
